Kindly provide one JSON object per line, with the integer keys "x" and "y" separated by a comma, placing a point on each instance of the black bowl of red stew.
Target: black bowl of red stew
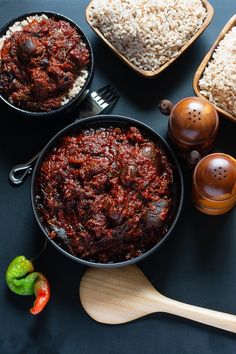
{"x": 46, "y": 64}
{"x": 107, "y": 191}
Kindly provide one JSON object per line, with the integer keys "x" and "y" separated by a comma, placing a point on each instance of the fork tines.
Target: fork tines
{"x": 106, "y": 94}
{"x": 103, "y": 90}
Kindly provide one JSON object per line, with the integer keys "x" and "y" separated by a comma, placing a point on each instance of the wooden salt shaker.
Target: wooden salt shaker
{"x": 214, "y": 184}
{"x": 193, "y": 125}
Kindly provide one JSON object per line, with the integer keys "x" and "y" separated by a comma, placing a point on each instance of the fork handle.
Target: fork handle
{"x": 88, "y": 108}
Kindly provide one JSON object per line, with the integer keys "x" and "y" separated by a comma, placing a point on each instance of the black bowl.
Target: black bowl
{"x": 74, "y": 101}
{"x": 123, "y": 122}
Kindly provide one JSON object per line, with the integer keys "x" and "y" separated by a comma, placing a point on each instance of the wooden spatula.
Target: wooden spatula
{"x": 121, "y": 295}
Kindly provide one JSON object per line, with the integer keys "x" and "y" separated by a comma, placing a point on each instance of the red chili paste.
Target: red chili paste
{"x": 40, "y": 64}
{"x": 105, "y": 194}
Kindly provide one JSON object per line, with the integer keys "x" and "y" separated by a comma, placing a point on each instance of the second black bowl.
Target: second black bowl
{"x": 121, "y": 122}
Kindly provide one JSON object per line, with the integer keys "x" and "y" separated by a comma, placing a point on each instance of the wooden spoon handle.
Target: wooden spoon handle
{"x": 209, "y": 317}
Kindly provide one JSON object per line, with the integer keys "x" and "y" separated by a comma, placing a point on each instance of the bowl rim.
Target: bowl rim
{"x": 148, "y": 73}
{"x": 206, "y": 59}
{"x": 46, "y": 114}
{"x": 99, "y": 121}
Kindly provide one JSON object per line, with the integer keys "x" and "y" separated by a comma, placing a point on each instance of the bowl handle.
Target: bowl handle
{"x": 19, "y": 172}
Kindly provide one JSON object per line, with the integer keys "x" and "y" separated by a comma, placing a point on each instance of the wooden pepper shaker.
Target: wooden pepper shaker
{"x": 193, "y": 125}
{"x": 214, "y": 184}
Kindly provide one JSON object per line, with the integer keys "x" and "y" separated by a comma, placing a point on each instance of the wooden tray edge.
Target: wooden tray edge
{"x": 206, "y": 59}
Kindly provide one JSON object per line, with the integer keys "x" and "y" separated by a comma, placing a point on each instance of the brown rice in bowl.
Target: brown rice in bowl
{"x": 148, "y": 33}
{"x": 218, "y": 82}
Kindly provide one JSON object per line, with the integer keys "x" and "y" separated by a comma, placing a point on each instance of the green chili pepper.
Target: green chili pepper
{"x": 19, "y": 276}
{"x": 22, "y": 280}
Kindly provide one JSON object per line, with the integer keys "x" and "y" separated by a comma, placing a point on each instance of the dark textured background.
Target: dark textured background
{"x": 197, "y": 265}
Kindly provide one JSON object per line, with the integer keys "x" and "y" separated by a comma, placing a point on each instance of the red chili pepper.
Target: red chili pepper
{"x": 42, "y": 293}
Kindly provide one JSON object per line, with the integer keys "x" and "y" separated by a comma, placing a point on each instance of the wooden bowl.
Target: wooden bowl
{"x": 151, "y": 74}
{"x": 199, "y": 73}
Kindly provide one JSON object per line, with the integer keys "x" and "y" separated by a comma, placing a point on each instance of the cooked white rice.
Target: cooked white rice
{"x": 218, "y": 82}
{"x": 148, "y": 32}
{"x": 80, "y": 80}
{"x": 77, "y": 86}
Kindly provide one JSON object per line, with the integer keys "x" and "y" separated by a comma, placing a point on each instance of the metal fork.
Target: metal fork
{"x": 96, "y": 102}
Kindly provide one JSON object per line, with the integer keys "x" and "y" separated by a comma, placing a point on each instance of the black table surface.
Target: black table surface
{"x": 198, "y": 263}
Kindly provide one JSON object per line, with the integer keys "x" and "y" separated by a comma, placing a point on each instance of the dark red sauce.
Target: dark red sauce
{"x": 40, "y": 64}
{"x": 105, "y": 194}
